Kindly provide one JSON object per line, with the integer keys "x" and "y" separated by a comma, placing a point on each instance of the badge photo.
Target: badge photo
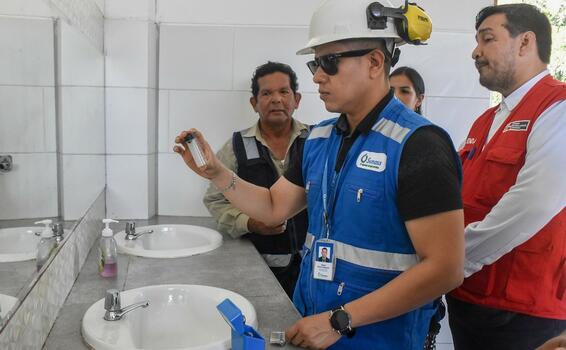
{"x": 324, "y": 260}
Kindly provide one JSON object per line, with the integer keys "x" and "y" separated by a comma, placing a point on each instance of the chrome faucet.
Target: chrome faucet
{"x": 114, "y": 311}
{"x": 131, "y": 231}
{"x": 5, "y": 163}
{"x": 58, "y": 232}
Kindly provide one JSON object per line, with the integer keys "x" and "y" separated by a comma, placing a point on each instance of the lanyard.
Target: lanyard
{"x": 325, "y": 216}
{"x": 327, "y": 212}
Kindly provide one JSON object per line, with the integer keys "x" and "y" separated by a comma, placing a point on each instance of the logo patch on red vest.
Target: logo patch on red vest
{"x": 518, "y": 125}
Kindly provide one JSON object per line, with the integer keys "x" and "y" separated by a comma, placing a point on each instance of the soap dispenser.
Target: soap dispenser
{"x": 45, "y": 245}
{"x": 107, "y": 252}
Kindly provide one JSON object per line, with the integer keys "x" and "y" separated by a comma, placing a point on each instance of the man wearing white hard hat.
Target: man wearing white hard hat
{"x": 381, "y": 185}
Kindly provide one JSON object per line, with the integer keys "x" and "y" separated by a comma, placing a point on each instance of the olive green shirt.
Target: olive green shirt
{"x": 230, "y": 219}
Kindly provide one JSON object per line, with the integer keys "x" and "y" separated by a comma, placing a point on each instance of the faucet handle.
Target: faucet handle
{"x": 112, "y": 300}
{"x": 58, "y": 229}
{"x": 130, "y": 227}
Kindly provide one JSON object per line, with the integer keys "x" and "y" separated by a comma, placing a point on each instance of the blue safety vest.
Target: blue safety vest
{"x": 371, "y": 243}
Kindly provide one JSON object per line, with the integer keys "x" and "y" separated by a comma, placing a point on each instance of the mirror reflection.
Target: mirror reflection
{"x": 46, "y": 104}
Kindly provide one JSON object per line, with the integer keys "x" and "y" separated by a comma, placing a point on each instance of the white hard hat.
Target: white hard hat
{"x": 336, "y": 20}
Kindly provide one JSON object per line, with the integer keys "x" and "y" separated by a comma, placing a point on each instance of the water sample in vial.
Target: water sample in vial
{"x": 195, "y": 150}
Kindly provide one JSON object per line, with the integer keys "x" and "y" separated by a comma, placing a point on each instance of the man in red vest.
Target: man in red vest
{"x": 514, "y": 191}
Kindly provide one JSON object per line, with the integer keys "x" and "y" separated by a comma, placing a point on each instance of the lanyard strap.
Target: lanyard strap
{"x": 328, "y": 209}
{"x": 325, "y": 215}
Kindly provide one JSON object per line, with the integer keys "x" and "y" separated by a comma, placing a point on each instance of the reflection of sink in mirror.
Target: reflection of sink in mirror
{"x": 170, "y": 241}
{"x": 19, "y": 243}
{"x": 6, "y": 304}
{"x": 178, "y": 317}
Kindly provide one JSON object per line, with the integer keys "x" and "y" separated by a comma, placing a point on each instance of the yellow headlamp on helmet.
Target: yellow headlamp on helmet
{"x": 412, "y": 23}
{"x": 417, "y": 25}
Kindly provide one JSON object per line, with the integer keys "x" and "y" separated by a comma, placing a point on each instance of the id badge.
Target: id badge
{"x": 324, "y": 260}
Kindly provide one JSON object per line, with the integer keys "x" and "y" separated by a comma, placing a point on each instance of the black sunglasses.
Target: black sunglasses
{"x": 329, "y": 63}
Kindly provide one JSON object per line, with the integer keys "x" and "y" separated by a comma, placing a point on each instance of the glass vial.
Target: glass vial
{"x": 195, "y": 150}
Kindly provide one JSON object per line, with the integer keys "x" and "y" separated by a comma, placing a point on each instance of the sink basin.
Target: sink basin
{"x": 170, "y": 241}
{"x": 178, "y": 317}
{"x": 6, "y": 304}
{"x": 18, "y": 243}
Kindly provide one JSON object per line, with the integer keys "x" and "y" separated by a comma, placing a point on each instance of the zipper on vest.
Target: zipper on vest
{"x": 308, "y": 186}
{"x": 359, "y": 195}
{"x": 340, "y": 288}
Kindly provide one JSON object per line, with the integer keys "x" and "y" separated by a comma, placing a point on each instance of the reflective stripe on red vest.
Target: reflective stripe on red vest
{"x": 531, "y": 279}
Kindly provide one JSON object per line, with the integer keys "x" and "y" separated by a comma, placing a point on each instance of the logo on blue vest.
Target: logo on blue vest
{"x": 372, "y": 161}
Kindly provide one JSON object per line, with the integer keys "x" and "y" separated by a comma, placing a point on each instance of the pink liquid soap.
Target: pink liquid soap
{"x": 109, "y": 270}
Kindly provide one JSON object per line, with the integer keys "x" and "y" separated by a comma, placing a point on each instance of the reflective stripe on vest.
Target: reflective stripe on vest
{"x": 250, "y": 146}
{"x": 321, "y": 132}
{"x": 391, "y": 129}
{"x": 369, "y": 258}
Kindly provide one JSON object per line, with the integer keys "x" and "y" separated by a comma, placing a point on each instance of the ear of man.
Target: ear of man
{"x": 253, "y": 102}
{"x": 528, "y": 44}
{"x": 377, "y": 64}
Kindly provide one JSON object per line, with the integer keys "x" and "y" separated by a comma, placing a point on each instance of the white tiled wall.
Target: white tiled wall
{"x": 27, "y": 114}
{"x": 83, "y": 177}
{"x": 253, "y": 46}
{"x": 130, "y": 9}
{"x": 127, "y": 120}
{"x": 82, "y": 63}
{"x": 131, "y": 108}
{"x": 241, "y": 12}
{"x": 27, "y": 119}
{"x": 30, "y": 189}
{"x": 130, "y": 186}
{"x": 127, "y": 53}
{"x": 30, "y": 8}
{"x": 81, "y": 121}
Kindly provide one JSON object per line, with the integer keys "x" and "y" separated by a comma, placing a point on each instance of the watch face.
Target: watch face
{"x": 341, "y": 320}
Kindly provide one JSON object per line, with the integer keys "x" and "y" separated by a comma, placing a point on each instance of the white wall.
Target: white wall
{"x": 130, "y": 37}
{"x": 51, "y": 90}
{"x": 80, "y": 120}
{"x": 27, "y": 116}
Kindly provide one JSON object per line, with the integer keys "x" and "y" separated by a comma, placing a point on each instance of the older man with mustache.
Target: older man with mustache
{"x": 514, "y": 192}
{"x": 260, "y": 154}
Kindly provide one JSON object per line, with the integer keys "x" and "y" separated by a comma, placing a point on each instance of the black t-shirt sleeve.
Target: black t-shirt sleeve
{"x": 294, "y": 172}
{"x": 429, "y": 175}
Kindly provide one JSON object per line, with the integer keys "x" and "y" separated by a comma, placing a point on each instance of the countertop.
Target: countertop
{"x": 235, "y": 266}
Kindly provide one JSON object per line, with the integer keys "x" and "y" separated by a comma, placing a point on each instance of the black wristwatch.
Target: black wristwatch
{"x": 341, "y": 321}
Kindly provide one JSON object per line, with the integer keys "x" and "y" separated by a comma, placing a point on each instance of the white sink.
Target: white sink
{"x": 18, "y": 243}
{"x": 6, "y": 304}
{"x": 170, "y": 241}
{"x": 178, "y": 317}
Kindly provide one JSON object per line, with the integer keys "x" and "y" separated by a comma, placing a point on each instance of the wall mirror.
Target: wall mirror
{"x": 51, "y": 137}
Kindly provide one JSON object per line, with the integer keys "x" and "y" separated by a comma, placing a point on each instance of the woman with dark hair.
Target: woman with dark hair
{"x": 409, "y": 87}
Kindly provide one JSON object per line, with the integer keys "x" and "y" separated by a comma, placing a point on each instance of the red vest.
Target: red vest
{"x": 530, "y": 279}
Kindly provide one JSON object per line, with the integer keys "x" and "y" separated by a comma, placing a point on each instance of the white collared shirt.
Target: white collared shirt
{"x": 538, "y": 194}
